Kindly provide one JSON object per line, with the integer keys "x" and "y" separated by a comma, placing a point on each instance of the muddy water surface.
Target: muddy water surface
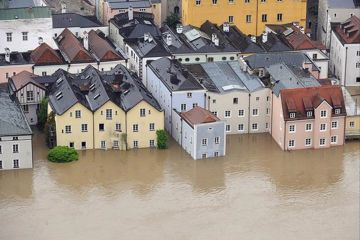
{"x": 255, "y": 192}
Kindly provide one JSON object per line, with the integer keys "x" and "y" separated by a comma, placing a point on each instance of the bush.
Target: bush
{"x": 172, "y": 20}
{"x": 162, "y": 139}
{"x": 62, "y": 154}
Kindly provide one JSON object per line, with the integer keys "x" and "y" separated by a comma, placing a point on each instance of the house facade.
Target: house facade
{"x": 309, "y": 118}
{"x": 200, "y": 133}
{"x": 15, "y": 135}
{"x": 352, "y": 124}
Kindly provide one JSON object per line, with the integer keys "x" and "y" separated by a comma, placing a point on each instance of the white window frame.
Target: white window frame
{"x": 255, "y": 112}
{"x": 308, "y": 144}
{"x": 321, "y": 125}
{"x": 336, "y": 139}
{"x": 334, "y": 123}
{"x": 292, "y": 130}
{"x": 204, "y": 142}
{"x": 320, "y": 140}
{"x": 308, "y": 124}
{"x": 241, "y": 111}
{"x": 225, "y": 114}
{"x": 323, "y": 114}
{"x": 293, "y": 143}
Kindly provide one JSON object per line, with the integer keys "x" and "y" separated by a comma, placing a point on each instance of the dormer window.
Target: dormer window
{"x": 292, "y": 115}
{"x": 337, "y": 111}
{"x": 309, "y": 113}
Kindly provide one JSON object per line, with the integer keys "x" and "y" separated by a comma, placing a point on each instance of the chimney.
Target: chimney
{"x": 150, "y": 39}
{"x": 168, "y": 40}
{"x": 7, "y": 55}
{"x": 302, "y": 30}
{"x": 213, "y": 37}
{"x": 146, "y": 36}
{"x": 130, "y": 13}
{"x": 63, "y": 7}
{"x": 40, "y": 40}
{"x": 216, "y": 41}
{"x": 179, "y": 28}
{"x": 226, "y": 27}
{"x": 264, "y": 37}
{"x": 253, "y": 38}
{"x": 86, "y": 40}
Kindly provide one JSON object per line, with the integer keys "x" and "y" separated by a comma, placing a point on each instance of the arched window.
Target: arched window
{"x": 176, "y": 10}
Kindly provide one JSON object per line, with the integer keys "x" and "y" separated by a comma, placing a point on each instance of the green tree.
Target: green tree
{"x": 162, "y": 139}
{"x": 42, "y": 115}
{"x": 172, "y": 20}
{"x": 62, "y": 154}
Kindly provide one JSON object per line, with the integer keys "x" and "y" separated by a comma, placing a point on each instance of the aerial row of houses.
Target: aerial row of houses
{"x": 112, "y": 85}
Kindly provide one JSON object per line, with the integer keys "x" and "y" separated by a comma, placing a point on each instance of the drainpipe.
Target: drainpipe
{"x": 326, "y": 35}
{"x": 171, "y": 112}
{"x": 249, "y": 113}
{"x": 271, "y": 111}
{"x": 93, "y": 130}
{"x": 346, "y": 52}
{"x": 257, "y": 17}
{"x": 126, "y": 132}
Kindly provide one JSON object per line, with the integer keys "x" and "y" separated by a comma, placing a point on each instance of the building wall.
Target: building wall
{"x": 24, "y": 154}
{"x": 210, "y": 131}
{"x": 76, "y": 136}
{"x": 12, "y": 70}
{"x": 115, "y": 36}
{"x": 48, "y": 69}
{"x": 322, "y": 61}
{"x": 144, "y": 135}
{"x": 195, "y": 58}
{"x": 352, "y": 126}
{"x": 293, "y": 11}
{"x": 278, "y": 123}
{"x": 109, "y": 13}
{"x": 109, "y": 135}
{"x": 188, "y": 139}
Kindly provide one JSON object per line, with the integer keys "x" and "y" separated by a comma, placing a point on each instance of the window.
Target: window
{"x": 152, "y": 143}
{"x": 77, "y": 114}
{"x": 248, "y": 18}
{"x": 228, "y": 128}
{"x": 308, "y": 127}
{"x": 29, "y": 96}
{"x": 352, "y": 124}
{"x": 223, "y": 58}
{"x": 108, "y": 114}
{"x": 266, "y": 125}
{"x": 183, "y": 107}
{"x": 9, "y": 37}
{"x": 187, "y": 59}
{"x": 0, "y": 149}
{"x": 189, "y": 94}
{"x": 71, "y": 145}
{"x": 115, "y": 144}
{"x": 231, "y": 19}
{"x": 15, "y": 138}
{"x": 25, "y": 108}
{"x": 247, "y": 1}
{"x": 333, "y": 139}
{"x": 214, "y": 1}
{"x": 216, "y": 154}
{"x": 215, "y": 113}
{"x": 314, "y": 56}
{"x": 197, "y": 2}
{"x": 257, "y": 98}
{"x": 292, "y": 128}
{"x": 309, "y": 113}
{"x": 214, "y": 100}
{"x": 68, "y": 129}
{"x": 16, "y": 163}
{"x": 103, "y": 144}
{"x": 322, "y": 141}
{"x": 292, "y": 115}
{"x": 279, "y": 17}
{"x": 358, "y": 53}
{"x": 267, "y": 110}
{"x": 227, "y": 114}
{"x": 118, "y": 127}
{"x": 84, "y": 127}
{"x": 203, "y": 155}
{"x": 135, "y": 128}
{"x": 254, "y": 126}
{"x": 83, "y": 145}
{"x": 241, "y": 113}
{"x": 241, "y": 127}
{"x": 322, "y": 127}
{"x": 135, "y": 144}
{"x": 291, "y": 143}
{"x": 337, "y": 111}
{"x": 15, "y": 148}
{"x": 264, "y": 18}
{"x": 25, "y": 36}
{"x": 308, "y": 142}
{"x": 217, "y": 140}
{"x": 197, "y": 59}
{"x": 255, "y": 112}
{"x": 334, "y": 125}
{"x": 1, "y": 165}
{"x": 142, "y": 112}
{"x": 235, "y": 100}
{"x": 204, "y": 141}
{"x": 358, "y": 65}
{"x": 152, "y": 126}
{"x": 263, "y": 1}
{"x": 195, "y": 105}
{"x": 101, "y": 127}
{"x": 267, "y": 98}
{"x": 323, "y": 113}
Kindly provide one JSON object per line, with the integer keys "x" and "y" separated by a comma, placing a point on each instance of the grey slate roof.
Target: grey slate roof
{"x": 223, "y": 77}
{"x": 343, "y": 3}
{"x": 122, "y": 4}
{"x": 283, "y": 76}
{"x": 12, "y": 119}
{"x": 17, "y": 3}
{"x": 24, "y": 13}
{"x": 274, "y": 44}
{"x": 16, "y": 58}
{"x": 68, "y": 20}
{"x": 173, "y": 75}
{"x": 147, "y": 48}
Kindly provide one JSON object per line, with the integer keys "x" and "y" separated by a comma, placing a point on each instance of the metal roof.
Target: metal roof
{"x": 25, "y": 13}
{"x": 68, "y": 20}
{"x": 126, "y": 4}
{"x": 342, "y": 3}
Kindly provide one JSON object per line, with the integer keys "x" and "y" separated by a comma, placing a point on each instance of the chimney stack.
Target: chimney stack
{"x": 86, "y": 40}
{"x": 253, "y": 38}
{"x": 226, "y": 27}
{"x": 146, "y": 36}
{"x": 264, "y": 37}
{"x": 7, "y": 55}
{"x": 179, "y": 28}
{"x": 63, "y": 7}
{"x": 40, "y": 40}
{"x": 168, "y": 40}
{"x": 302, "y": 30}
{"x": 130, "y": 13}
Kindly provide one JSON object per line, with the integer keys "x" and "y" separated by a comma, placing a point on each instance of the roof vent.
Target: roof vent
{"x": 174, "y": 80}
{"x": 60, "y": 80}
{"x": 226, "y": 27}
{"x": 92, "y": 87}
{"x": 96, "y": 96}
{"x": 179, "y": 28}
{"x": 59, "y": 95}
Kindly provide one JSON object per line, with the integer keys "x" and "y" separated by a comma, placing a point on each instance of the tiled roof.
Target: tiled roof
{"x": 72, "y": 48}
{"x": 12, "y": 118}
{"x": 23, "y": 78}
{"x": 302, "y": 100}
{"x": 349, "y": 31}
{"x": 198, "y": 115}
{"x": 102, "y": 48}
{"x": 68, "y": 20}
{"x": 45, "y": 55}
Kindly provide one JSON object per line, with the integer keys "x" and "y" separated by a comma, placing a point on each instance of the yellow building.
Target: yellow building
{"x": 250, "y": 16}
{"x": 352, "y": 127}
{"x": 94, "y": 113}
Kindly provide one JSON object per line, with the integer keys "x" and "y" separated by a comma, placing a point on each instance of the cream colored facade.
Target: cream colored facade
{"x": 250, "y": 16}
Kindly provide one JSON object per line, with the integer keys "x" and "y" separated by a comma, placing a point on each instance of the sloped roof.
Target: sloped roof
{"x": 68, "y": 20}
{"x": 102, "y": 48}
{"x": 23, "y": 78}
{"x": 315, "y": 95}
{"x": 45, "y": 55}
{"x": 349, "y": 31}
{"x": 146, "y": 48}
{"x": 198, "y": 115}
{"x": 121, "y": 4}
{"x": 24, "y": 13}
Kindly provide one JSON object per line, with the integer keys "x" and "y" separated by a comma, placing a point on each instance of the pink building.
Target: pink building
{"x": 306, "y": 118}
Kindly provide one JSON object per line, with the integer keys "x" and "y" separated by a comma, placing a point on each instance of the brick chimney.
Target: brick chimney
{"x": 130, "y": 13}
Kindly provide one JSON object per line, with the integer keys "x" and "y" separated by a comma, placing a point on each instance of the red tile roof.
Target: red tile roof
{"x": 101, "y": 48}
{"x": 72, "y": 47}
{"x": 301, "y": 100}
{"x": 44, "y": 54}
{"x": 349, "y": 31}
{"x": 23, "y": 78}
{"x": 198, "y": 115}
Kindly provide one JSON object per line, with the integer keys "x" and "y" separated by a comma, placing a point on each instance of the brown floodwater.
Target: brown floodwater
{"x": 256, "y": 192}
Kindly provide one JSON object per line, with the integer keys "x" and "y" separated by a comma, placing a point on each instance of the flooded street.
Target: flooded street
{"x": 256, "y": 192}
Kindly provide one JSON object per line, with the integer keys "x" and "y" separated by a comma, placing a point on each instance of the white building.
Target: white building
{"x": 239, "y": 99}
{"x": 199, "y": 132}
{"x": 334, "y": 11}
{"x": 345, "y": 52}
{"x": 173, "y": 87}
{"x": 15, "y": 135}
